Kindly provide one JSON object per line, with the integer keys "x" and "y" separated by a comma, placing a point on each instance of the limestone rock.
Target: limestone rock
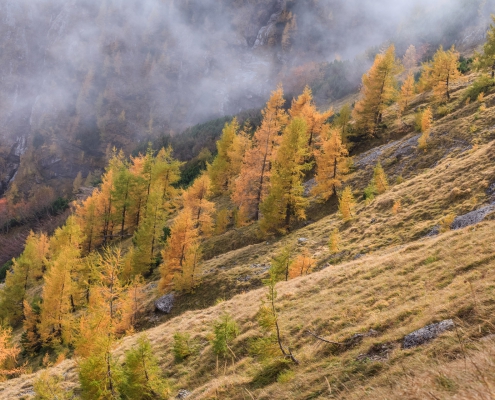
{"x": 473, "y": 217}
{"x": 426, "y": 334}
{"x": 165, "y": 303}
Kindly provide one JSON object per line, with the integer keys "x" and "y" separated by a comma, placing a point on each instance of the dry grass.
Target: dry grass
{"x": 395, "y": 293}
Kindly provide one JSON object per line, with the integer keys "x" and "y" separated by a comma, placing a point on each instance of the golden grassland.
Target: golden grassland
{"x": 393, "y": 292}
{"x": 387, "y": 276}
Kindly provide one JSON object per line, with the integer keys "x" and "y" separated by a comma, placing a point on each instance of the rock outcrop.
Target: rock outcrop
{"x": 426, "y": 334}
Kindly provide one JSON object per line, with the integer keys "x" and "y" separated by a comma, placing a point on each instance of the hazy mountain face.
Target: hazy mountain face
{"x": 77, "y": 75}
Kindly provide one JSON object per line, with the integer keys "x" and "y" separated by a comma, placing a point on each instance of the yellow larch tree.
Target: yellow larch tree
{"x": 334, "y": 242}
{"x": 331, "y": 164}
{"x": 441, "y": 73}
{"x": 180, "y": 254}
{"x": 487, "y": 59}
{"x": 406, "y": 94}
{"x": 286, "y": 197}
{"x": 304, "y": 107}
{"x": 347, "y": 204}
{"x": 220, "y": 170}
{"x": 253, "y": 183}
{"x": 302, "y": 265}
{"x": 25, "y": 272}
{"x": 8, "y": 355}
{"x": 426, "y": 123}
{"x": 56, "y": 319}
{"x": 379, "y": 87}
{"x": 380, "y": 179}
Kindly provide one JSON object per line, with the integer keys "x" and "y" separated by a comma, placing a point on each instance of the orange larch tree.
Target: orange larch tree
{"x": 253, "y": 183}
{"x": 331, "y": 164}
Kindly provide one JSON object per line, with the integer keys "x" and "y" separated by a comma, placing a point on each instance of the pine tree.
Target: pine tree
{"x": 347, "y": 204}
{"x": 406, "y": 94}
{"x": 487, "y": 59}
{"x": 304, "y": 107}
{"x": 441, "y": 73}
{"x": 286, "y": 198}
{"x": 331, "y": 165}
{"x": 253, "y": 183}
{"x": 379, "y": 87}
{"x": 380, "y": 179}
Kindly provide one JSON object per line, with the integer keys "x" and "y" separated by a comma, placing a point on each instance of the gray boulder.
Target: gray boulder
{"x": 426, "y": 334}
{"x": 183, "y": 394}
{"x": 472, "y": 218}
{"x": 165, "y": 303}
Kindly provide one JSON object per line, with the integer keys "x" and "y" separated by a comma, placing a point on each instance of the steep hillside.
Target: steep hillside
{"x": 397, "y": 269}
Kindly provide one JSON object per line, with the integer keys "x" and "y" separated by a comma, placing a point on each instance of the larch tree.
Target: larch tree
{"x": 334, "y": 242}
{"x": 441, "y": 73}
{"x": 253, "y": 183}
{"x": 157, "y": 198}
{"x": 180, "y": 255}
{"x": 410, "y": 59}
{"x": 343, "y": 119}
{"x": 8, "y": 355}
{"x": 142, "y": 373}
{"x": 347, "y": 204}
{"x": 99, "y": 327}
{"x": 196, "y": 200}
{"x": 220, "y": 170}
{"x": 426, "y": 122}
{"x": 304, "y": 107}
{"x": 380, "y": 179}
{"x": 331, "y": 165}
{"x": 57, "y": 308}
{"x": 122, "y": 197}
{"x": 378, "y": 89}
{"x": 406, "y": 94}
{"x": 26, "y": 270}
{"x": 487, "y": 59}
{"x": 301, "y": 265}
{"x": 281, "y": 264}
{"x": 286, "y": 197}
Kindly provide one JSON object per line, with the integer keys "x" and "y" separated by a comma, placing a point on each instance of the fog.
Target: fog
{"x": 117, "y": 71}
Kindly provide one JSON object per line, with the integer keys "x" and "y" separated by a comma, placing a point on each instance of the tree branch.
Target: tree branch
{"x": 322, "y": 339}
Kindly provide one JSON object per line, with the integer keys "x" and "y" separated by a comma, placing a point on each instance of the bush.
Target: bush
{"x": 465, "y": 64}
{"x": 480, "y": 85}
